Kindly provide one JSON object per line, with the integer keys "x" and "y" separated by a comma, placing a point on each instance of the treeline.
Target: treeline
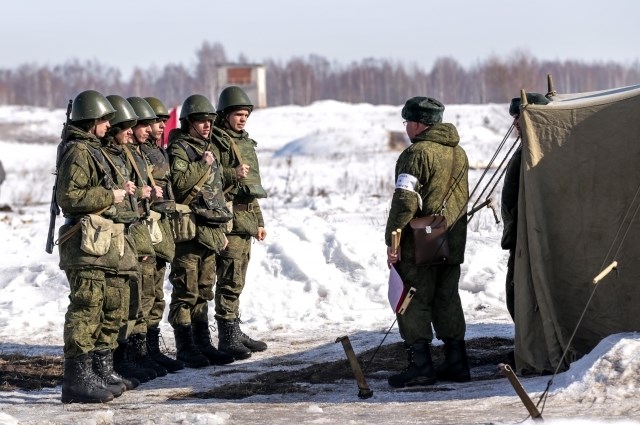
{"x": 303, "y": 80}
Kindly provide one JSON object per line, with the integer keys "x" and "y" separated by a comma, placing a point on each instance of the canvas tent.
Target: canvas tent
{"x": 579, "y": 181}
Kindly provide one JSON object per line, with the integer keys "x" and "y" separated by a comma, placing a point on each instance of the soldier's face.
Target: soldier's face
{"x": 201, "y": 128}
{"x": 101, "y": 128}
{"x": 142, "y": 132}
{"x": 237, "y": 120}
{"x": 124, "y": 136}
{"x": 517, "y": 124}
{"x": 157, "y": 128}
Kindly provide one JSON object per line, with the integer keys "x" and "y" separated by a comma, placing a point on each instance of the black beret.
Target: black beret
{"x": 535, "y": 98}
{"x": 425, "y": 110}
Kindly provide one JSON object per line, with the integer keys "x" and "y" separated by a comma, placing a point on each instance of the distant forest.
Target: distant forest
{"x": 303, "y": 80}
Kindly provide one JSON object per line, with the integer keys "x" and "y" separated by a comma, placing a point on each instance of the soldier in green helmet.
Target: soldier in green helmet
{"x": 243, "y": 188}
{"x": 88, "y": 194}
{"x": 197, "y": 185}
{"x": 153, "y": 303}
{"x": 142, "y": 293}
{"x": 430, "y": 174}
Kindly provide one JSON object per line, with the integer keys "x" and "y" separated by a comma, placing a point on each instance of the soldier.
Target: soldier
{"x": 113, "y": 147}
{"x": 509, "y": 201}
{"x": 142, "y": 302}
{"x": 90, "y": 246}
{"x": 243, "y": 188}
{"x": 196, "y": 181}
{"x": 432, "y": 169}
{"x": 154, "y": 305}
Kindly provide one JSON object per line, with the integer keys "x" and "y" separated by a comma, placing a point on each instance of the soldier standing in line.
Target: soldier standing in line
{"x": 88, "y": 196}
{"x": 197, "y": 183}
{"x": 431, "y": 178}
{"x": 165, "y": 249}
{"x": 243, "y": 188}
{"x": 145, "y": 238}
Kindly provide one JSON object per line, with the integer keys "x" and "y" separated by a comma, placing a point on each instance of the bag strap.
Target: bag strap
{"x": 197, "y": 187}
{"x": 67, "y": 235}
{"x": 236, "y": 152}
{"x": 449, "y": 191}
{"x": 133, "y": 163}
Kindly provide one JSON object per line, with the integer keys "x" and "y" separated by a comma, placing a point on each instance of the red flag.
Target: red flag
{"x": 170, "y": 125}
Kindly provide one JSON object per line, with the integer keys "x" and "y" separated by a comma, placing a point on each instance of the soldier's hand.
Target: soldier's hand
{"x": 262, "y": 233}
{"x": 207, "y": 157}
{"x": 130, "y": 188}
{"x": 157, "y": 192}
{"x": 118, "y": 195}
{"x": 242, "y": 171}
{"x": 392, "y": 257}
{"x": 226, "y": 243}
{"x": 146, "y": 192}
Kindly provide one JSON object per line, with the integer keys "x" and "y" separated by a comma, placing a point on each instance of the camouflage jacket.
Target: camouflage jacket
{"x": 186, "y": 172}
{"x": 509, "y": 201}
{"x": 427, "y": 165}
{"x": 246, "y": 221}
{"x": 84, "y": 186}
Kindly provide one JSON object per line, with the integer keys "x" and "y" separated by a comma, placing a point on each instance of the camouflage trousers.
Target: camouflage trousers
{"x": 232, "y": 264}
{"x": 141, "y": 305}
{"x": 116, "y": 310}
{"x": 154, "y": 307}
{"x": 436, "y": 303}
{"x": 193, "y": 274}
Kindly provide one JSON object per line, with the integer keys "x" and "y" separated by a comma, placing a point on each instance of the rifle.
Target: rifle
{"x": 54, "y": 209}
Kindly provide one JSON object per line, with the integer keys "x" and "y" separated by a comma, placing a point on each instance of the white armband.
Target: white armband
{"x": 406, "y": 182}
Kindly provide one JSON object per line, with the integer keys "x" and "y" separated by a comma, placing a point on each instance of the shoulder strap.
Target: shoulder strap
{"x": 132, "y": 161}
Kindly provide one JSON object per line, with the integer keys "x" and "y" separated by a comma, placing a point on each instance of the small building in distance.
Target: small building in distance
{"x": 249, "y": 77}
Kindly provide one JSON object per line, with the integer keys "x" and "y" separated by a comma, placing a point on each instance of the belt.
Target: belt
{"x": 243, "y": 207}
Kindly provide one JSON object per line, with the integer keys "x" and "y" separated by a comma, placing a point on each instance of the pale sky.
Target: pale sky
{"x": 128, "y": 33}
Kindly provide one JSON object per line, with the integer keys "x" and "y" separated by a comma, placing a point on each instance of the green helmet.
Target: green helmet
{"x": 232, "y": 98}
{"x": 158, "y": 107}
{"x": 125, "y": 114}
{"x": 143, "y": 110}
{"x": 197, "y": 104}
{"x": 91, "y": 105}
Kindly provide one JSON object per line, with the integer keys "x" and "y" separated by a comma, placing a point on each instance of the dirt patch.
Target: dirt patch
{"x": 484, "y": 356}
{"x": 29, "y": 373}
{"x": 34, "y": 373}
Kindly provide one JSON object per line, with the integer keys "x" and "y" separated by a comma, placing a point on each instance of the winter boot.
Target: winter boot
{"x": 153, "y": 346}
{"x": 186, "y": 350}
{"x": 202, "y": 339}
{"x": 456, "y": 366}
{"x": 103, "y": 367}
{"x": 229, "y": 340}
{"x": 80, "y": 384}
{"x": 246, "y": 340}
{"x": 125, "y": 367}
{"x": 420, "y": 369}
{"x": 139, "y": 354}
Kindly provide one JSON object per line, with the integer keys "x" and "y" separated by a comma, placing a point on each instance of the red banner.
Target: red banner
{"x": 170, "y": 125}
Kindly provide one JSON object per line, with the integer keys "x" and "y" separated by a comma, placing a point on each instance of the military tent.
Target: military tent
{"x": 578, "y": 202}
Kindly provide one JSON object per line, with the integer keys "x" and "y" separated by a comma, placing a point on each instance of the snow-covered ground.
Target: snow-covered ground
{"x": 319, "y": 275}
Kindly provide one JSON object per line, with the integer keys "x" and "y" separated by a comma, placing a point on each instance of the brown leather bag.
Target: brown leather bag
{"x": 431, "y": 239}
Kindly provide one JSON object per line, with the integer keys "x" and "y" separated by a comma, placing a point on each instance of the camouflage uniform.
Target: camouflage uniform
{"x": 509, "y": 212}
{"x": 193, "y": 269}
{"x": 437, "y": 302}
{"x": 247, "y": 218}
{"x": 154, "y": 304}
{"x": 83, "y": 189}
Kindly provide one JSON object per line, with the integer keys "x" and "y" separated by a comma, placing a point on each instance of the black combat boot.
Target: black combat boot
{"x": 140, "y": 356}
{"x": 202, "y": 339}
{"x": 153, "y": 346}
{"x": 125, "y": 367}
{"x": 456, "y": 366}
{"x": 103, "y": 367}
{"x": 229, "y": 340}
{"x": 420, "y": 369}
{"x": 247, "y": 341}
{"x": 80, "y": 384}
{"x": 186, "y": 350}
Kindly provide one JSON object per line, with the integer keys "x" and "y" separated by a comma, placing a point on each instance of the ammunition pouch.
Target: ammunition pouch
{"x": 211, "y": 209}
{"x": 96, "y": 234}
{"x": 153, "y": 225}
{"x": 183, "y": 224}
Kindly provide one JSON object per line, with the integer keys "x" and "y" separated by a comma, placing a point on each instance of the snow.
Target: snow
{"x": 319, "y": 275}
